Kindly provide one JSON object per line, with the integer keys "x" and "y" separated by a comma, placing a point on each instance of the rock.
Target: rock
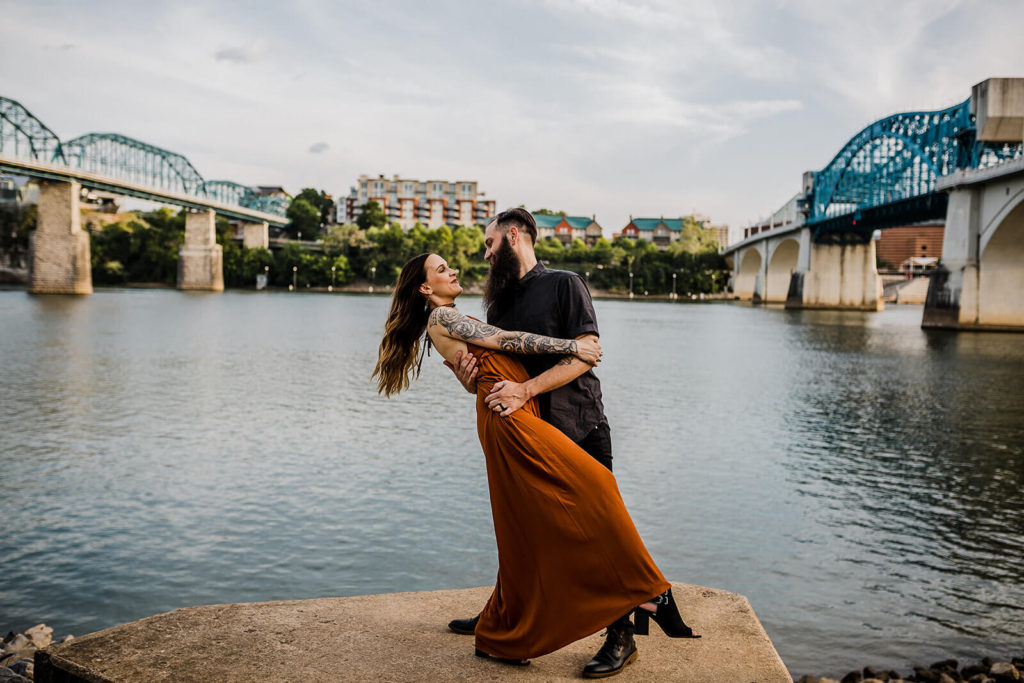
{"x": 827, "y": 680}
{"x": 67, "y": 639}
{"x": 946, "y": 678}
{"x": 945, "y": 665}
{"x": 869, "y": 672}
{"x": 1004, "y": 672}
{"x": 24, "y": 653}
{"x": 873, "y": 680}
{"x": 1018, "y": 662}
{"x": 41, "y": 635}
{"x": 925, "y": 675}
{"x": 894, "y": 676}
{"x": 972, "y": 670}
{"x": 23, "y": 667}
{"x": 807, "y": 678}
{"x": 978, "y": 678}
{"x": 8, "y": 676}
{"x": 852, "y": 677}
{"x": 9, "y": 637}
{"x": 18, "y": 642}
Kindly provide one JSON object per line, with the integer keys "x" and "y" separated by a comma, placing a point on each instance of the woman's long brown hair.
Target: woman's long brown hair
{"x": 396, "y": 360}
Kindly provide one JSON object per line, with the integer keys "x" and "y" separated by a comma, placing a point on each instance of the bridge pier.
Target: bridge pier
{"x": 980, "y": 282}
{"x": 255, "y": 236}
{"x": 840, "y": 276}
{"x": 59, "y": 262}
{"x": 201, "y": 259}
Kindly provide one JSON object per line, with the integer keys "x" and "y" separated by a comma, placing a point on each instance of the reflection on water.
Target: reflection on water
{"x": 857, "y": 478}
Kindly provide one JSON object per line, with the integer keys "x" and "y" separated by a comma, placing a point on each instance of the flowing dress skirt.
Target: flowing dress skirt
{"x": 570, "y": 560}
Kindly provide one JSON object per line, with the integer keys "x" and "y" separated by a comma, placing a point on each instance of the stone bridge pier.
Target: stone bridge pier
{"x": 59, "y": 261}
{"x": 255, "y": 236}
{"x": 980, "y": 282}
{"x": 841, "y": 275}
{"x": 788, "y": 267}
{"x": 201, "y": 259}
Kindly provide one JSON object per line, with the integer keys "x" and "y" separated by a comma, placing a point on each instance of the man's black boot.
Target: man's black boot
{"x": 465, "y": 627}
{"x": 619, "y": 649}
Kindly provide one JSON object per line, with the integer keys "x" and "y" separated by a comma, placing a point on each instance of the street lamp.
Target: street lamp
{"x": 300, "y": 236}
{"x": 295, "y": 278}
{"x": 673, "y": 285}
{"x": 331, "y": 288}
{"x": 630, "y": 284}
{"x": 373, "y": 277}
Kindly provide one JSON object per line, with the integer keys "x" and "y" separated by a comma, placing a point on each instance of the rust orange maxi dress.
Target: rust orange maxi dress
{"x": 570, "y": 560}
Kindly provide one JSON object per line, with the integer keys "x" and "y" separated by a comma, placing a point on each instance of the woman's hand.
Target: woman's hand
{"x": 588, "y": 350}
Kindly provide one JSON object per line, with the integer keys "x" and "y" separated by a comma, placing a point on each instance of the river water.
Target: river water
{"x": 858, "y": 479}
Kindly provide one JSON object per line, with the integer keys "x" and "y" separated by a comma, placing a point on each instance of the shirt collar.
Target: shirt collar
{"x": 532, "y": 273}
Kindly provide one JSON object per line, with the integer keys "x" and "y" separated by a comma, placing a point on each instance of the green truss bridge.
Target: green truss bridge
{"x": 122, "y": 165}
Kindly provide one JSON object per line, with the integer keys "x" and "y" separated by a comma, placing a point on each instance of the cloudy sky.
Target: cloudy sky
{"x": 606, "y": 107}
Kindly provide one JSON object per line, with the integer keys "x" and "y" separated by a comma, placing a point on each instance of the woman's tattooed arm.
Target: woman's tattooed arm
{"x": 459, "y": 326}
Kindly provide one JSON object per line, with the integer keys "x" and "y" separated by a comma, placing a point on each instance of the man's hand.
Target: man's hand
{"x": 507, "y": 397}
{"x": 465, "y": 370}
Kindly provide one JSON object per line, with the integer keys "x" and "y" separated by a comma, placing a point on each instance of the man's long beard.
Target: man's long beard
{"x": 500, "y": 288}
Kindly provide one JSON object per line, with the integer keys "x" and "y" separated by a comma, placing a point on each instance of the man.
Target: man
{"x": 521, "y": 294}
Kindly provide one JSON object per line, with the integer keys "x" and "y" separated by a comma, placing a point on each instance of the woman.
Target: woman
{"x": 551, "y": 502}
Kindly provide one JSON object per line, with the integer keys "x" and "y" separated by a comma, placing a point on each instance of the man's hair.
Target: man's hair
{"x": 520, "y": 218}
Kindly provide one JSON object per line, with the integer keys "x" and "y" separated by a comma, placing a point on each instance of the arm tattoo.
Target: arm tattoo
{"x": 463, "y": 327}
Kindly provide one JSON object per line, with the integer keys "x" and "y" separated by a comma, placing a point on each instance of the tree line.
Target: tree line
{"x": 142, "y": 247}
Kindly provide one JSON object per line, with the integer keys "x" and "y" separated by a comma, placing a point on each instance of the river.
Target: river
{"x": 857, "y": 478}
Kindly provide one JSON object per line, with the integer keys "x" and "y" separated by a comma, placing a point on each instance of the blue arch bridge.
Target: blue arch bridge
{"x": 963, "y": 165}
{"x": 122, "y": 165}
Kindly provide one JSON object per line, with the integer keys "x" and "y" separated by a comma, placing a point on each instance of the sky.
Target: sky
{"x": 612, "y": 108}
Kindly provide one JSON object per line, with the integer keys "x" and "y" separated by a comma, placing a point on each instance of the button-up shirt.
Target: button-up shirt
{"x": 557, "y": 303}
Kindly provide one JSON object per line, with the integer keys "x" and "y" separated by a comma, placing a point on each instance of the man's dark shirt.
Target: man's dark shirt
{"x": 557, "y": 303}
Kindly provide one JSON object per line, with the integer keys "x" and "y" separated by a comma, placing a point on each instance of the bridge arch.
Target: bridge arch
{"x": 893, "y": 158}
{"x": 137, "y": 162}
{"x": 1000, "y": 276}
{"x": 782, "y": 263}
{"x": 23, "y": 135}
{"x": 746, "y": 277}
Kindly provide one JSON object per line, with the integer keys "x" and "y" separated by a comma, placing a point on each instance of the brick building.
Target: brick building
{"x": 896, "y": 245}
{"x": 566, "y": 229}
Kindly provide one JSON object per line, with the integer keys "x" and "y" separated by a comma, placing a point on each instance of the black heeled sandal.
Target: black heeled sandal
{"x": 667, "y": 617}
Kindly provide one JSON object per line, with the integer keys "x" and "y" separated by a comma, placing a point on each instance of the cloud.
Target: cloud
{"x": 242, "y": 54}
{"x": 319, "y": 147}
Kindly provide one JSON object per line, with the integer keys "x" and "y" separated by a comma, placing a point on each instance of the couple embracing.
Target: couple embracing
{"x": 570, "y": 561}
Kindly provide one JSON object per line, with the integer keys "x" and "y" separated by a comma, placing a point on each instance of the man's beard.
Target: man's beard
{"x": 500, "y": 288}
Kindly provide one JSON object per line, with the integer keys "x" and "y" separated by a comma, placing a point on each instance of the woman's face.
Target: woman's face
{"x": 441, "y": 281}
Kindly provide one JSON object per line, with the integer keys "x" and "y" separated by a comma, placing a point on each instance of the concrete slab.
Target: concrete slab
{"x": 395, "y": 637}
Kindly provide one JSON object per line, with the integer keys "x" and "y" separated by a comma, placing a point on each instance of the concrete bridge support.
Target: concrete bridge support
{"x": 980, "y": 283}
{"x": 255, "y": 236}
{"x": 840, "y": 276}
{"x": 201, "y": 259}
{"x": 59, "y": 262}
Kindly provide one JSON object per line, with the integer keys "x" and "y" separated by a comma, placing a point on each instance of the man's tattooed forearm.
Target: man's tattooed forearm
{"x": 523, "y": 342}
{"x": 461, "y": 326}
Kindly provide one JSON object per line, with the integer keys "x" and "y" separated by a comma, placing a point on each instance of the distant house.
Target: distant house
{"x": 272, "y": 191}
{"x": 567, "y": 229}
{"x": 659, "y": 231}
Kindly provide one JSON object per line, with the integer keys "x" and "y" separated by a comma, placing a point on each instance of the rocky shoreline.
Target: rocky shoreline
{"x": 946, "y": 671}
{"x": 18, "y": 650}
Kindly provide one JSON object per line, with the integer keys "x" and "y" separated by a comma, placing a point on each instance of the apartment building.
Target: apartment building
{"x": 407, "y": 201}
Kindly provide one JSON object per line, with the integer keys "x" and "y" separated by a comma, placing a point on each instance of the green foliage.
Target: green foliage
{"x": 304, "y": 217}
{"x": 143, "y": 248}
{"x": 319, "y": 200}
{"x": 547, "y": 212}
{"x": 371, "y": 216}
{"x": 15, "y": 225}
